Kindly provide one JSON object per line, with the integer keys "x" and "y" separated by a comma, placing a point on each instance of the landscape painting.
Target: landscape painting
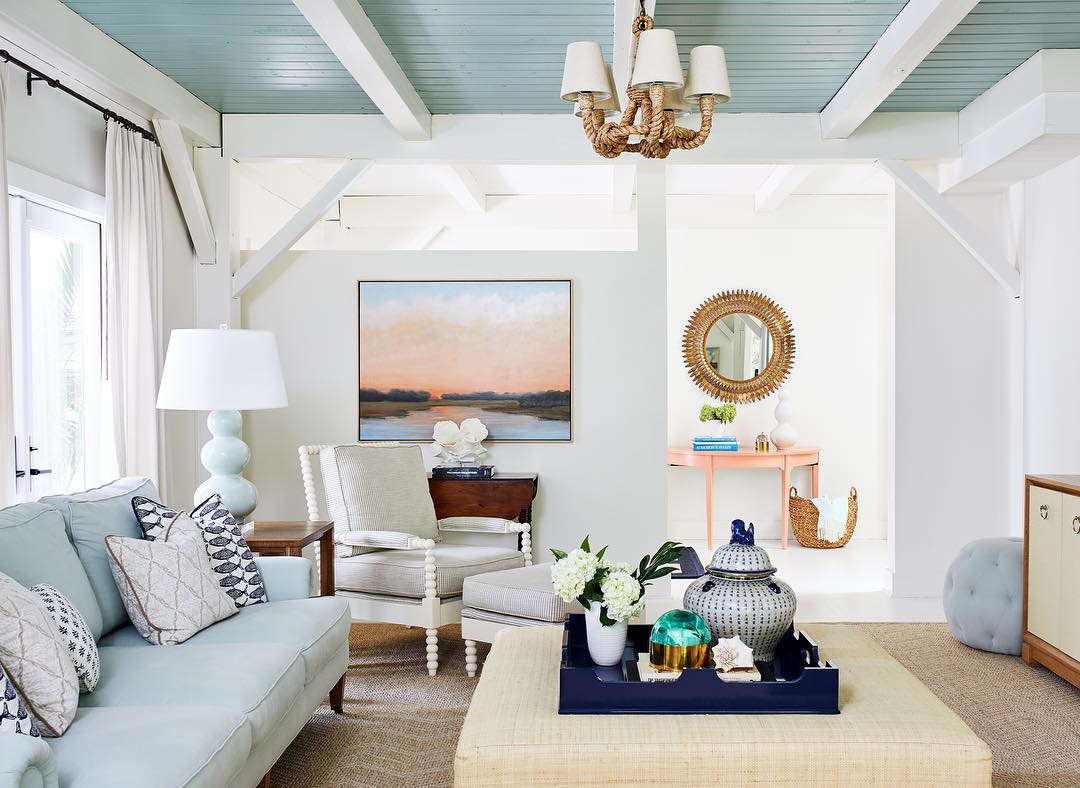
{"x": 498, "y": 351}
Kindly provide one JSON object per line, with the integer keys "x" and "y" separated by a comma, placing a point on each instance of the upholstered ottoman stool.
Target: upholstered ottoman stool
{"x": 495, "y": 601}
{"x": 984, "y": 595}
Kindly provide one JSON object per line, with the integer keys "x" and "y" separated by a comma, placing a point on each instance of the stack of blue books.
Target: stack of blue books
{"x": 715, "y": 444}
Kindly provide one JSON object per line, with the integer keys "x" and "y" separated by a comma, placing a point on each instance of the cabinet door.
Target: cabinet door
{"x": 1070, "y": 576}
{"x": 1044, "y": 564}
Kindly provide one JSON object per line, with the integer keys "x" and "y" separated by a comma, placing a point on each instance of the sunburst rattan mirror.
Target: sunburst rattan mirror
{"x": 739, "y": 346}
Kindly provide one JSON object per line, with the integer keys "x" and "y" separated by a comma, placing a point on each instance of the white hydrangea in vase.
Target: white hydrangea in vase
{"x": 460, "y": 445}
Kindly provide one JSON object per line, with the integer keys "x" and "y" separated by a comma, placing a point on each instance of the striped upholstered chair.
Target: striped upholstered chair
{"x": 394, "y": 561}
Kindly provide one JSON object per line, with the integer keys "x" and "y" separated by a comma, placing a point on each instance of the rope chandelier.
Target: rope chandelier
{"x": 657, "y": 92}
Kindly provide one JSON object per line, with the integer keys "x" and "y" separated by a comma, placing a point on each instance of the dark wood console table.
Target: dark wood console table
{"x": 505, "y": 495}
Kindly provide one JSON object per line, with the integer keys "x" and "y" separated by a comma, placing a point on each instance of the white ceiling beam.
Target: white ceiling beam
{"x": 462, "y": 186}
{"x": 346, "y": 29}
{"x": 779, "y": 185}
{"x": 737, "y": 138}
{"x": 182, "y": 174}
{"x": 623, "y": 183}
{"x": 976, "y": 242}
{"x": 62, "y": 41}
{"x": 622, "y": 49}
{"x": 299, "y": 224}
{"x": 914, "y": 33}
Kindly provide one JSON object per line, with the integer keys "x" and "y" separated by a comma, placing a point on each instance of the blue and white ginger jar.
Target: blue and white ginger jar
{"x": 739, "y": 596}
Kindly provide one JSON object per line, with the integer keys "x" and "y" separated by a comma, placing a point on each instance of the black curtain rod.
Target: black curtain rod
{"x": 33, "y": 74}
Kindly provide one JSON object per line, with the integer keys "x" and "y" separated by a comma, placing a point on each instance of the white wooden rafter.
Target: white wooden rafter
{"x": 462, "y": 186}
{"x": 623, "y": 183}
{"x": 780, "y": 184}
{"x": 913, "y": 34}
{"x": 182, "y": 174}
{"x": 62, "y": 41}
{"x": 299, "y": 224}
{"x": 622, "y": 49}
{"x": 983, "y": 249}
{"x": 353, "y": 39}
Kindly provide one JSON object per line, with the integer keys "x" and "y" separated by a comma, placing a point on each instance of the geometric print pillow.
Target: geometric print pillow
{"x": 14, "y": 716}
{"x": 230, "y": 556}
{"x": 73, "y": 630}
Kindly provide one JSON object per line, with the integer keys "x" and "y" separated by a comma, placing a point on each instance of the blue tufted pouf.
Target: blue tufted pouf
{"x": 984, "y": 595}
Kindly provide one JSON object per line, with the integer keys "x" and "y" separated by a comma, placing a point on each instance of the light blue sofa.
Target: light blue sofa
{"x": 216, "y": 710}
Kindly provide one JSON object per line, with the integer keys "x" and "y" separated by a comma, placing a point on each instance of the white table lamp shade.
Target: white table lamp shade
{"x": 584, "y": 72}
{"x": 221, "y": 369}
{"x": 610, "y": 105}
{"x": 707, "y": 74}
{"x": 674, "y": 102}
{"x": 657, "y": 60}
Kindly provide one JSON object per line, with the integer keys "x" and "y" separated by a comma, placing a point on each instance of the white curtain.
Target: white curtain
{"x": 7, "y": 390}
{"x": 134, "y": 259}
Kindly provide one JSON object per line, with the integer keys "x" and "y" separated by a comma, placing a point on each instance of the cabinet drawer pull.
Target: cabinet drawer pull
{"x": 1076, "y": 524}
{"x": 1044, "y": 511}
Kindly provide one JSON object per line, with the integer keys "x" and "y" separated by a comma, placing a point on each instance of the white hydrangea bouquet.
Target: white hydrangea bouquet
{"x": 460, "y": 444}
{"x": 619, "y": 588}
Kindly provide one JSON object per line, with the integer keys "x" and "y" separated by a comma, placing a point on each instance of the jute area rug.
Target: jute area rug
{"x": 400, "y": 727}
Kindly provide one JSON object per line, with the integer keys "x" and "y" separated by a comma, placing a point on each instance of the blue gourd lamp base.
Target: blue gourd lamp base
{"x": 225, "y": 455}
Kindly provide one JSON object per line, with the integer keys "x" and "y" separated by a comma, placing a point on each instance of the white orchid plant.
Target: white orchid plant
{"x": 460, "y": 444}
{"x": 620, "y": 588}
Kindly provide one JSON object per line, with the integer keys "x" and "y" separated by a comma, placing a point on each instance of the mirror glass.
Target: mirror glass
{"x": 738, "y": 346}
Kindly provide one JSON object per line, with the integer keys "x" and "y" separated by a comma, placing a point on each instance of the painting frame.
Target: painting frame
{"x": 568, "y": 282}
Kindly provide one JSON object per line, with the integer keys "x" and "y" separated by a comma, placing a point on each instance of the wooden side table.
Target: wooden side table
{"x": 505, "y": 495}
{"x": 784, "y": 460}
{"x": 289, "y": 537}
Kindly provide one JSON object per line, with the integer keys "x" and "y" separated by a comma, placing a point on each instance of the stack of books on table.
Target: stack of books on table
{"x": 715, "y": 444}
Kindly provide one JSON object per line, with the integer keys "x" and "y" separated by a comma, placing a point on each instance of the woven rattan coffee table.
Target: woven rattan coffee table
{"x": 891, "y": 730}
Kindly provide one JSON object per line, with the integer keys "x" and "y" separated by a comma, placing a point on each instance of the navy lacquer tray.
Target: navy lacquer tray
{"x": 797, "y": 681}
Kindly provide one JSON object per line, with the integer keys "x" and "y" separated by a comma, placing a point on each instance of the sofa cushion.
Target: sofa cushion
{"x": 34, "y": 548}
{"x": 35, "y": 658}
{"x": 315, "y": 627}
{"x": 260, "y": 683}
{"x": 517, "y": 593}
{"x": 15, "y": 717}
{"x": 72, "y": 628}
{"x": 401, "y": 572}
{"x": 90, "y": 517}
{"x": 139, "y": 746}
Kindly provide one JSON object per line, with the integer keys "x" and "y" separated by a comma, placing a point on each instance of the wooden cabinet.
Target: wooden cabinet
{"x": 1052, "y": 575}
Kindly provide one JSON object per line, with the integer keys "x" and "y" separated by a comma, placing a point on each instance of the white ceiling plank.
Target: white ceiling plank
{"x": 182, "y": 174}
{"x": 623, "y": 184}
{"x": 299, "y": 224}
{"x": 738, "y": 138}
{"x": 779, "y": 185}
{"x": 985, "y": 251}
{"x": 346, "y": 29}
{"x": 62, "y": 41}
{"x": 914, "y": 33}
{"x": 622, "y": 50}
{"x": 462, "y": 186}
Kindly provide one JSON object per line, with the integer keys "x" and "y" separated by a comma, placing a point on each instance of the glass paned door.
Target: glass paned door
{"x": 64, "y": 438}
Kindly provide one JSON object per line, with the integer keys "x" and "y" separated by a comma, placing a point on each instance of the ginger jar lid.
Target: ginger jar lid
{"x": 741, "y": 559}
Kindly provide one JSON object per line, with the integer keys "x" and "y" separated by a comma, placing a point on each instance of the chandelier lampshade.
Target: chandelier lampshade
{"x": 657, "y": 60}
{"x": 675, "y": 103}
{"x": 585, "y": 72}
{"x": 707, "y": 75}
{"x": 609, "y": 106}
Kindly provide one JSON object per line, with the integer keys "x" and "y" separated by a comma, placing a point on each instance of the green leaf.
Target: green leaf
{"x": 585, "y": 544}
{"x": 605, "y": 619}
{"x": 603, "y": 550}
{"x": 559, "y": 554}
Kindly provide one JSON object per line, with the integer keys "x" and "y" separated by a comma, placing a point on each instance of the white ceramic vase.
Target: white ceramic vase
{"x": 606, "y": 644}
{"x": 784, "y": 434}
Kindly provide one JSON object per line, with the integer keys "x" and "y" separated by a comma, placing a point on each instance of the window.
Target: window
{"x": 63, "y": 411}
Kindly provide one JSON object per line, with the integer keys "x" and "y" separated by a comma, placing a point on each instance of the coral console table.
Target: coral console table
{"x": 784, "y": 460}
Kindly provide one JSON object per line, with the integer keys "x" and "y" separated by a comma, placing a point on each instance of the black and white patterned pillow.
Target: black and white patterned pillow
{"x": 153, "y": 517}
{"x": 230, "y": 556}
{"x": 14, "y": 715}
{"x": 75, "y": 634}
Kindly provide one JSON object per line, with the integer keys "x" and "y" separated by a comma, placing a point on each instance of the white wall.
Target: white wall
{"x": 957, "y": 402}
{"x": 826, "y": 260}
{"x": 53, "y": 134}
{"x": 1050, "y": 263}
{"x": 609, "y": 482}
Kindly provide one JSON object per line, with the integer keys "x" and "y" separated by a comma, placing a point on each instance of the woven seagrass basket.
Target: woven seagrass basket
{"x": 804, "y": 519}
